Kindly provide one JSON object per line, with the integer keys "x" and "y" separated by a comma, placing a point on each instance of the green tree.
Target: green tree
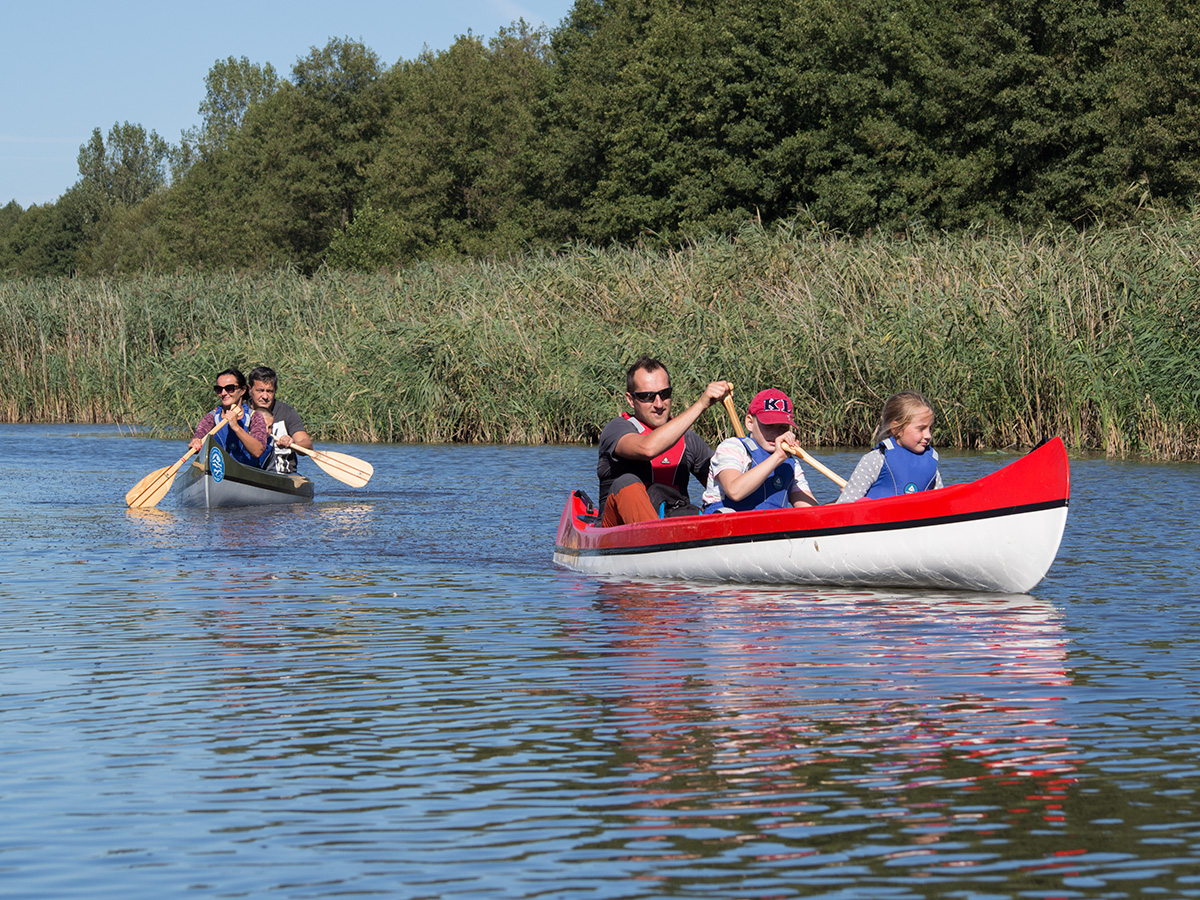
{"x": 9, "y": 216}
{"x": 671, "y": 116}
{"x": 374, "y": 240}
{"x": 131, "y": 241}
{"x": 885, "y": 113}
{"x": 297, "y": 165}
{"x": 982, "y": 110}
{"x": 1149, "y": 108}
{"x": 219, "y": 215}
{"x": 47, "y": 239}
{"x": 128, "y": 168}
{"x": 342, "y": 106}
{"x": 659, "y": 120}
{"x": 663, "y": 116}
{"x": 232, "y": 86}
{"x": 456, "y": 168}
{"x": 288, "y": 177}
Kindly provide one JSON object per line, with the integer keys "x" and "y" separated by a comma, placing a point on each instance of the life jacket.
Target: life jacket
{"x": 904, "y": 472}
{"x": 665, "y": 465}
{"x": 771, "y": 494}
{"x": 235, "y": 447}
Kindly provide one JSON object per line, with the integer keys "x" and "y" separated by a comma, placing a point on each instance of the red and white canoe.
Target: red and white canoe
{"x": 1000, "y": 533}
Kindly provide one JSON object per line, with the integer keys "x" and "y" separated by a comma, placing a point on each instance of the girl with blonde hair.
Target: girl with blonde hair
{"x": 902, "y": 462}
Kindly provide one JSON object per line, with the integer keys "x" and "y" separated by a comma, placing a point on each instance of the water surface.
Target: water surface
{"x": 393, "y": 692}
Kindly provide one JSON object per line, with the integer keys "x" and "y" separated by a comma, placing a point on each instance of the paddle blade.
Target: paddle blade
{"x": 153, "y": 487}
{"x": 342, "y": 466}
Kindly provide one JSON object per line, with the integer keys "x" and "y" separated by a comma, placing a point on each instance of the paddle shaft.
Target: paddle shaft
{"x": 733, "y": 416}
{"x": 816, "y": 464}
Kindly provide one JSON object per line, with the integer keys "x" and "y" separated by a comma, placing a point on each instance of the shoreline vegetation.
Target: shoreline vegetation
{"x": 1014, "y": 335}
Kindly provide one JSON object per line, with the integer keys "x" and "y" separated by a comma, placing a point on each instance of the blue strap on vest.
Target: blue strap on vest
{"x": 904, "y": 472}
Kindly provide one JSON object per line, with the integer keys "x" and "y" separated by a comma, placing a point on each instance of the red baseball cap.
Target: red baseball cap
{"x": 772, "y": 408}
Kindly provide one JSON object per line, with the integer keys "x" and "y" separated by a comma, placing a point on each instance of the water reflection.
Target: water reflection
{"x": 785, "y": 718}
{"x": 376, "y": 695}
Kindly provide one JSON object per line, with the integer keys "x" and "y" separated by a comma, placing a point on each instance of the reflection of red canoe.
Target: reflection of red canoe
{"x": 1000, "y": 533}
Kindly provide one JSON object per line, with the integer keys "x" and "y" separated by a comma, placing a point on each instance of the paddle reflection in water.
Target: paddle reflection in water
{"x": 917, "y": 727}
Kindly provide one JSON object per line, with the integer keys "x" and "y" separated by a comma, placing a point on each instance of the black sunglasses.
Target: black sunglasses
{"x": 648, "y": 396}
{"x": 226, "y": 388}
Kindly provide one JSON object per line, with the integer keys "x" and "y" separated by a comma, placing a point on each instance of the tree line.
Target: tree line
{"x": 649, "y": 121}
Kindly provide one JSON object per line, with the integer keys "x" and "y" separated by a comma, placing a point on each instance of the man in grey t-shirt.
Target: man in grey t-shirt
{"x": 287, "y": 428}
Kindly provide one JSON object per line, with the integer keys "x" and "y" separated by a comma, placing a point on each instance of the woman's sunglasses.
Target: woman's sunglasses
{"x": 225, "y": 388}
{"x": 648, "y": 396}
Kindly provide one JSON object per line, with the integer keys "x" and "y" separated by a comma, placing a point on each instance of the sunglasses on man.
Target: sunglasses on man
{"x": 648, "y": 396}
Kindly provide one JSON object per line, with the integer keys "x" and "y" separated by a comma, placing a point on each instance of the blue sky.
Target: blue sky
{"x": 69, "y": 67}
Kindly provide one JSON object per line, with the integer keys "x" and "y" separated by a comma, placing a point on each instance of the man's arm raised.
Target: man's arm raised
{"x": 648, "y": 444}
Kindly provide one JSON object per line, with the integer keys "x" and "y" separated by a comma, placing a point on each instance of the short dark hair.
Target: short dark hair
{"x": 648, "y": 364}
{"x": 263, "y": 374}
{"x": 237, "y": 374}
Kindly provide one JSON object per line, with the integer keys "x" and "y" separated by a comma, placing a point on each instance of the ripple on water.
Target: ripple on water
{"x": 376, "y": 694}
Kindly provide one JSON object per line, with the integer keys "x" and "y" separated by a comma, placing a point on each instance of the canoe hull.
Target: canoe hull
{"x": 1000, "y": 533}
{"x": 216, "y": 480}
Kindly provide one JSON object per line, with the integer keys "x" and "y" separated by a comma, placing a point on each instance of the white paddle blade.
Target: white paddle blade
{"x": 342, "y": 466}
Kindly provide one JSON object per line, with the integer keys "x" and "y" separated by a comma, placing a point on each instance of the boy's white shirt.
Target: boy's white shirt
{"x": 278, "y": 429}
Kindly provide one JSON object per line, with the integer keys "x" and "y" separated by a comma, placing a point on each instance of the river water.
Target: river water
{"x": 393, "y": 692}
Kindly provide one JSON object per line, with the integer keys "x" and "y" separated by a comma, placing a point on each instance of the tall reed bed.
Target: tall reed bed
{"x": 1014, "y": 336}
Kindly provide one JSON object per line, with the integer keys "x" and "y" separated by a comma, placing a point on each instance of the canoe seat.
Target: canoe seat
{"x": 590, "y": 515}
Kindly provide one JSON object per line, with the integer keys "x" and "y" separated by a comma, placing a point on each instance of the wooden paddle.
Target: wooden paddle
{"x": 827, "y": 472}
{"x": 787, "y": 448}
{"x": 147, "y": 492}
{"x": 342, "y": 466}
{"x": 733, "y": 415}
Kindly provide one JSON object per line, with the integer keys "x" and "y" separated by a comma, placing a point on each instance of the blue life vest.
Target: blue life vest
{"x": 904, "y": 472}
{"x": 233, "y": 446}
{"x": 771, "y": 494}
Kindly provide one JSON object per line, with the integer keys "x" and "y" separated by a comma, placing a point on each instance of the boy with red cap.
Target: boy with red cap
{"x": 754, "y": 472}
